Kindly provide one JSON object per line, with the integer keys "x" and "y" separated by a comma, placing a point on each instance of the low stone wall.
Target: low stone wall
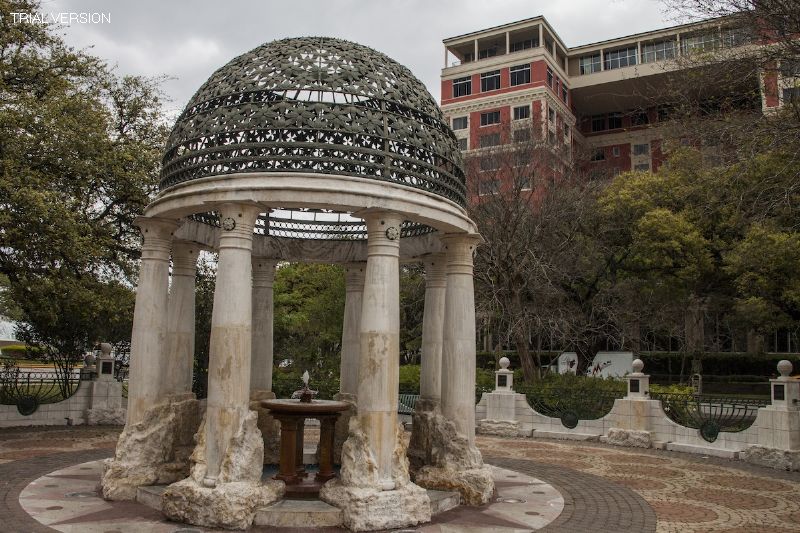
{"x": 636, "y": 420}
{"x": 94, "y": 402}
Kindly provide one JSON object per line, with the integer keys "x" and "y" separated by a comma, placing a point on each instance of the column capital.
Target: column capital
{"x": 184, "y": 258}
{"x": 263, "y": 272}
{"x": 156, "y": 236}
{"x": 383, "y": 231}
{"x": 435, "y": 270}
{"x": 354, "y": 276}
{"x": 237, "y": 222}
{"x": 460, "y": 248}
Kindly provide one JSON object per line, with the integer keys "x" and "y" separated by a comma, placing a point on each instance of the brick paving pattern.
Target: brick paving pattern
{"x": 605, "y": 488}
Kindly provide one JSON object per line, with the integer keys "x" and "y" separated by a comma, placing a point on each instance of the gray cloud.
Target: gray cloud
{"x": 189, "y": 40}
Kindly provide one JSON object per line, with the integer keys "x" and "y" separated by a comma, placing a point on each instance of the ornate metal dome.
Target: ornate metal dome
{"x": 316, "y": 105}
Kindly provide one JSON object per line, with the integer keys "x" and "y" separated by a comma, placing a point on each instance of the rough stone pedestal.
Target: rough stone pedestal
{"x": 630, "y": 438}
{"x": 342, "y": 428}
{"x": 771, "y": 458}
{"x": 357, "y": 492}
{"x": 499, "y": 428}
{"x": 452, "y": 464}
{"x": 233, "y": 502}
{"x": 153, "y": 451}
{"x": 269, "y": 427}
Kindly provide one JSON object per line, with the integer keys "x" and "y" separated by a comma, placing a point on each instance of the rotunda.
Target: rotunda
{"x": 306, "y": 149}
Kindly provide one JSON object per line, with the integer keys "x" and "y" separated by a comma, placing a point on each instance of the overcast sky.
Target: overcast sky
{"x": 188, "y": 40}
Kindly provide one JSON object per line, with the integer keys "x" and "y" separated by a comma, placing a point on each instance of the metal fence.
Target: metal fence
{"x": 570, "y": 405}
{"x": 29, "y": 390}
{"x": 711, "y": 415}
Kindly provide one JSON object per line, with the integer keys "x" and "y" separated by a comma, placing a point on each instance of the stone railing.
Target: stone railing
{"x": 763, "y": 432}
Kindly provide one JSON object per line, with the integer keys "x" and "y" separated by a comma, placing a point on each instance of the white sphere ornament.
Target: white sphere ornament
{"x": 504, "y": 362}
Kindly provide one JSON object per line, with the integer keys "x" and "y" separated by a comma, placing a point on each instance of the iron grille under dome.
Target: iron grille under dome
{"x": 318, "y": 105}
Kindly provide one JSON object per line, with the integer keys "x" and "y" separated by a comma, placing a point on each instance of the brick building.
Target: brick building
{"x": 600, "y": 100}
{"x": 599, "y": 107}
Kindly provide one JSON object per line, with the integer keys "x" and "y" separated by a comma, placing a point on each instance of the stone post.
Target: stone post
{"x": 632, "y": 414}
{"x": 179, "y": 357}
{"x": 638, "y": 383}
{"x": 458, "y": 351}
{"x": 351, "y": 341}
{"x": 430, "y": 379}
{"x": 380, "y": 341}
{"x": 231, "y": 335}
{"x": 148, "y": 336}
{"x": 263, "y": 317}
{"x": 501, "y": 405}
{"x": 778, "y": 425}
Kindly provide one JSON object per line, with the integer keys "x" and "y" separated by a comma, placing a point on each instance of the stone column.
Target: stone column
{"x": 458, "y": 351}
{"x": 263, "y": 309}
{"x": 351, "y": 340}
{"x": 179, "y": 357}
{"x": 231, "y": 335}
{"x": 430, "y": 379}
{"x": 380, "y": 341}
{"x": 149, "y": 333}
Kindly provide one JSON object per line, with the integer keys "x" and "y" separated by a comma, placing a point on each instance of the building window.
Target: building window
{"x": 566, "y": 132}
{"x": 658, "y": 51}
{"x": 522, "y": 135}
{"x": 623, "y": 57}
{"x": 462, "y": 86}
{"x": 487, "y": 52}
{"x": 563, "y": 92}
{"x": 469, "y": 57}
{"x": 551, "y": 115}
{"x": 705, "y": 42}
{"x": 460, "y": 123}
{"x": 549, "y": 76}
{"x": 614, "y": 121}
{"x": 490, "y": 81}
{"x": 640, "y": 119}
{"x": 791, "y": 95}
{"x": 589, "y": 64}
{"x": 522, "y": 183}
{"x": 598, "y": 123}
{"x": 520, "y": 74}
{"x": 489, "y": 163}
{"x": 518, "y": 46}
{"x": 492, "y": 117}
{"x": 641, "y": 149}
{"x": 492, "y": 139}
{"x": 488, "y": 186}
{"x": 642, "y": 167}
{"x": 551, "y": 137}
{"x": 790, "y": 68}
{"x": 735, "y": 37}
{"x": 615, "y": 151}
{"x": 462, "y": 144}
{"x": 522, "y": 112}
{"x": 599, "y": 155}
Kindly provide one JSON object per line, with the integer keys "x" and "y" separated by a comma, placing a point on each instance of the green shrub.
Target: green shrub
{"x": 409, "y": 379}
{"x": 20, "y": 351}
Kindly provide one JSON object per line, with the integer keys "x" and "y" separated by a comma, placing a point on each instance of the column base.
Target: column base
{"x": 342, "y": 430}
{"x": 475, "y": 485}
{"x": 419, "y": 446}
{"x": 269, "y": 427}
{"x": 228, "y": 505}
{"x": 451, "y": 463}
{"x": 772, "y": 457}
{"x": 368, "y": 509}
{"x": 153, "y": 451}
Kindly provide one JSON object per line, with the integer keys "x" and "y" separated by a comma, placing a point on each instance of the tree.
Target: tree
{"x": 79, "y": 159}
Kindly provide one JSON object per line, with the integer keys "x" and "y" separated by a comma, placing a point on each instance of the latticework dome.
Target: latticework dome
{"x": 316, "y": 105}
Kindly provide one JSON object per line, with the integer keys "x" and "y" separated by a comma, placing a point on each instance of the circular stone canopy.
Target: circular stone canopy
{"x": 316, "y": 105}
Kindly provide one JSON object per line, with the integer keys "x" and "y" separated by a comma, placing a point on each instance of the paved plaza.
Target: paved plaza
{"x": 604, "y": 488}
